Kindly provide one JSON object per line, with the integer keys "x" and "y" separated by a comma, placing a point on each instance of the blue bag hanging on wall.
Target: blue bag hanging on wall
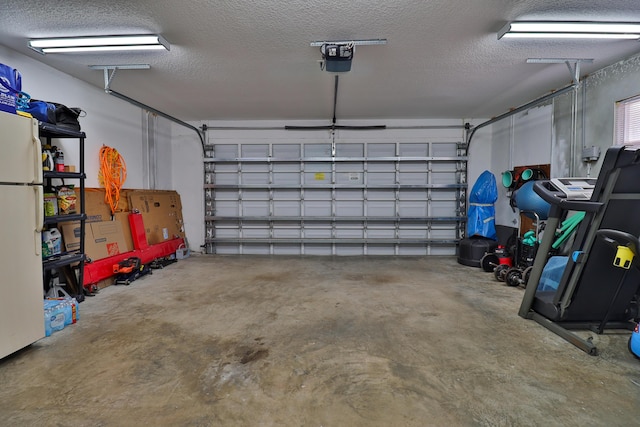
{"x": 481, "y": 217}
{"x": 10, "y": 87}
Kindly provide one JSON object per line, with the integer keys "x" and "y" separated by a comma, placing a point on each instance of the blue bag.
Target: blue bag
{"x": 481, "y": 215}
{"x": 42, "y": 111}
{"x": 10, "y": 87}
{"x": 54, "y": 113}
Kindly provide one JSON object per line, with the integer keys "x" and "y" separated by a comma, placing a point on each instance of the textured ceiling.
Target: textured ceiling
{"x": 240, "y": 59}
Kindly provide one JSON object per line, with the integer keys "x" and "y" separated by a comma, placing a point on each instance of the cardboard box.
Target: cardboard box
{"x": 94, "y": 205}
{"x": 107, "y": 240}
{"x": 161, "y": 212}
{"x": 71, "y": 235}
{"x": 97, "y": 209}
{"x": 102, "y": 239}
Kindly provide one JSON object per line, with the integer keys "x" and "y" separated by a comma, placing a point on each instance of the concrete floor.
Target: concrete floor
{"x": 289, "y": 341}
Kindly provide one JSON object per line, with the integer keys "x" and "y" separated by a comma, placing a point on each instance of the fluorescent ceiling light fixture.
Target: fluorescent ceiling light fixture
{"x": 355, "y": 42}
{"x": 570, "y": 30}
{"x": 558, "y": 60}
{"x": 99, "y": 44}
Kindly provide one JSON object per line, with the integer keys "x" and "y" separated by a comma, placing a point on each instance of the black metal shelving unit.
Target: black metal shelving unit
{"x": 66, "y": 260}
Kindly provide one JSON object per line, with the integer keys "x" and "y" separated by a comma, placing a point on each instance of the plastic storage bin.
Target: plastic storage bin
{"x": 552, "y": 273}
{"x": 471, "y": 250}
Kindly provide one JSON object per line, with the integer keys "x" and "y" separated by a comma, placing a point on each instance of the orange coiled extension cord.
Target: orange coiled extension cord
{"x": 112, "y": 175}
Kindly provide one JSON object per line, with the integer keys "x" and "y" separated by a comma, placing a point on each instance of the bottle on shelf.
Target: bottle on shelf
{"x": 47, "y": 158}
{"x": 59, "y": 161}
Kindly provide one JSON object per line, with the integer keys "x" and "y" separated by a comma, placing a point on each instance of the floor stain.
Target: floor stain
{"x": 253, "y": 355}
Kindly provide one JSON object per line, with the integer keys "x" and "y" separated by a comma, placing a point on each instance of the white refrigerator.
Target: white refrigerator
{"x": 21, "y": 222}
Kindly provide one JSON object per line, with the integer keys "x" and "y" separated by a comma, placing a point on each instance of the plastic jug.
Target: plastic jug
{"x": 56, "y": 238}
{"x": 47, "y": 161}
{"x": 51, "y": 242}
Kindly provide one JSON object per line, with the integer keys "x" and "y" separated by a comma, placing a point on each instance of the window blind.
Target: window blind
{"x": 627, "y": 121}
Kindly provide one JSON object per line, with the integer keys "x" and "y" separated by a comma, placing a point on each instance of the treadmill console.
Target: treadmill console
{"x": 575, "y": 188}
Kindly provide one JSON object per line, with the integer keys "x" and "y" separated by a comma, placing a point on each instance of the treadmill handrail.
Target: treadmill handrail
{"x": 558, "y": 198}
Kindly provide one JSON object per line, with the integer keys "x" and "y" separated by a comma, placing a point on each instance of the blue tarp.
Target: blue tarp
{"x": 481, "y": 216}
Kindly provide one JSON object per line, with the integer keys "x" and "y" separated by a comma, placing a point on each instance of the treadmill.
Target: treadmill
{"x": 593, "y": 293}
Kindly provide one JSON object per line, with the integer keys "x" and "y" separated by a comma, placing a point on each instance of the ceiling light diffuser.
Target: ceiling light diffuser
{"x": 570, "y": 30}
{"x": 364, "y": 42}
{"x": 99, "y": 44}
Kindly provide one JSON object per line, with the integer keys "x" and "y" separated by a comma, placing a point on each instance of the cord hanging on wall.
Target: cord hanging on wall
{"x": 112, "y": 175}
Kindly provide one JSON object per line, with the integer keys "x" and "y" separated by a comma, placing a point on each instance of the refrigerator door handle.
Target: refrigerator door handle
{"x": 39, "y": 195}
{"x": 38, "y": 153}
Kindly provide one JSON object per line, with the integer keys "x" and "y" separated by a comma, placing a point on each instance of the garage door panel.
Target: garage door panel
{"x": 444, "y": 149}
{"x": 443, "y": 178}
{"x": 348, "y": 208}
{"x": 226, "y": 151}
{"x": 413, "y": 150}
{"x": 318, "y": 230}
{"x": 319, "y": 176}
{"x": 255, "y": 178}
{"x": 230, "y": 231}
{"x": 413, "y": 208}
{"x": 227, "y": 248}
{"x": 249, "y": 232}
{"x": 226, "y": 208}
{"x": 443, "y": 208}
{"x": 379, "y": 208}
{"x": 317, "y": 249}
{"x": 381, "y": 150}
{"x": 413, "y": 251}
{"x": 284, "y": 208}
{"x": 414, "y": 178}
{"x": 317, "y": 150}
{"x": 317, "y": 194}
{"x": 348, "y": 167}
{"x": 347, "y": 249}
{"x": 381, "y": 178}
{"x": 286, "y": 249}
{"x": 379, "y": 198}
{"x": 254, "y": 150}
{"x": 227, "y": 178}
{"x": 378, "y": 167}
{"x": 350, "y": 150}
{"x": 349, "y": 231}
{"x": 255, "y": 248}
{"x": 284, "y": 232}
{"x": 255, "y": 208}
{"x": 286, "y": 151}
{"x": 286, "y": 178}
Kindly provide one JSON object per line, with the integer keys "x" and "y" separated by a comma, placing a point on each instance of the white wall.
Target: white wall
{"x": 109, "y": 121}
{"x": 187, "y": 169}
{"x": 518, "y": 140}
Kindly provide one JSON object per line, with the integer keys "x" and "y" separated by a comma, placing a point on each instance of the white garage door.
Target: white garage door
{"x": 345, "y": 199}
